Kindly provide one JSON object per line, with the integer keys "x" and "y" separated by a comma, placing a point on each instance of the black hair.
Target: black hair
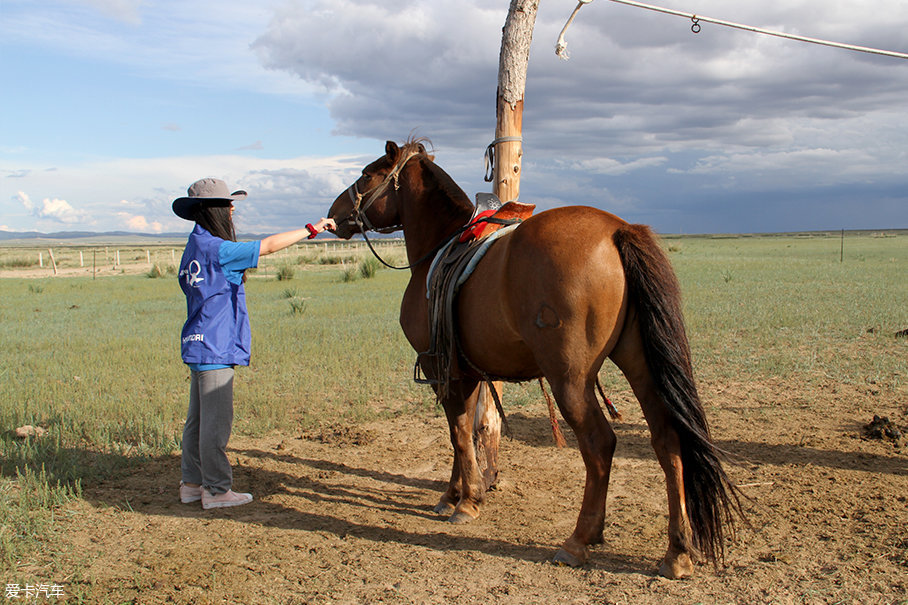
{"x": 216, "y": 220}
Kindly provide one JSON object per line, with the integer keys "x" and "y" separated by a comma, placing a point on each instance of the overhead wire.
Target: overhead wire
{"x": 561, "y": 45}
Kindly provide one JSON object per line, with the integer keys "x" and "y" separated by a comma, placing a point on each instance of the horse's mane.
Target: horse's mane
{"x": 444, "y": 180}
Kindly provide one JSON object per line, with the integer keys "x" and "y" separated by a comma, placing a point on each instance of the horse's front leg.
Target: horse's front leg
{"x": 451, "y": 496}
{"x": 465, "y": 487}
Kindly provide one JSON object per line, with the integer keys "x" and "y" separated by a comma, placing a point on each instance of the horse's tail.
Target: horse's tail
{"x": 710, "y": 496}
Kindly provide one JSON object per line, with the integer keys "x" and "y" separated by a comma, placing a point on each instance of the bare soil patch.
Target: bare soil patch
{"x": 344, "y": 515}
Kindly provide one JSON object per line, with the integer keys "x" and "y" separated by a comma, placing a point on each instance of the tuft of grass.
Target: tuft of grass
{"x": 28, "y": 505}
{"x": 297, "y": 306}
{"x": 18, "y": 262}
{"x": 368, "y": 267}
{"x": 284, "y": 273}
{"x": 336, "y": 259}
{"x": 349, "y": 274}
{"x": 157, "y": 271}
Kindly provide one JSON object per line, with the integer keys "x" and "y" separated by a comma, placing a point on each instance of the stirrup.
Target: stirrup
{"x": 418, "y": 378}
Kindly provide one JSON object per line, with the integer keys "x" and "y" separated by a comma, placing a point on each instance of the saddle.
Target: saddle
{"x": 449, "y": 271}
{"x": 491, "y": 215}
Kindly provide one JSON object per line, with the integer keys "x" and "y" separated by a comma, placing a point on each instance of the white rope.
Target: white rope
{"x": 562, "y": 45}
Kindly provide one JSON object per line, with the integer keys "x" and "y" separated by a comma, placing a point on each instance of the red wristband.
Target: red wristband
{"x": 312, "y": 231}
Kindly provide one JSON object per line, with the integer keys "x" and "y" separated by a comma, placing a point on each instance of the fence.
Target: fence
{"x": 95, "y": 260}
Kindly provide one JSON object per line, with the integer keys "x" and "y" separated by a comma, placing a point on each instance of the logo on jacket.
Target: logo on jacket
{"x": 192, "y": 273}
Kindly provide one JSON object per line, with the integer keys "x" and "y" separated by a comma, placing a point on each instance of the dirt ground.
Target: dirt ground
{"x": 344, "y": 515}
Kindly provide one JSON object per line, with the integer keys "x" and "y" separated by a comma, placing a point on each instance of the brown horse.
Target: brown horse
{"x": 555, "y": 297}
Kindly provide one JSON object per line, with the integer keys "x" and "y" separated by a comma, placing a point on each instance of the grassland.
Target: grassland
{"x": 94, "y": 359}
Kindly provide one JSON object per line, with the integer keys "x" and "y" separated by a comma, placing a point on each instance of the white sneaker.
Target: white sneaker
{"x": 190, "y": 494}
{"x": 228, "y": 498}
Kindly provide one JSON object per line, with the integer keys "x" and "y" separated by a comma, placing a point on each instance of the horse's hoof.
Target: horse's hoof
{"x": 459, "y": 518}
{"x": 563, "y": 557}
{"x": 677, "y": 567}
{"x": 444, "y": 508}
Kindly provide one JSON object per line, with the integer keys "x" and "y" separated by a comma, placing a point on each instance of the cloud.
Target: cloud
{"x": 60, "y": 211}
{"x": 643, "y": 101}
{"x": 122, "y": 10}
{"x": 140, "y": 223}
{"x": 646, "y": 118}
{"x": 615, "y": 167}
{"x": 23, "y": 199}
{"x": 55, "y": 210}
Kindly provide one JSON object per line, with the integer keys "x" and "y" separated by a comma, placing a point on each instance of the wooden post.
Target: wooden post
{"x": 507, "y": 153}
{"x": 512, "y": 75}
{"x": 52, "y": 261}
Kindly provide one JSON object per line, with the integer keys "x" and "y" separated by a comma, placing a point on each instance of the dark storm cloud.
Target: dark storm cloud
{"x": 646, "y": 118}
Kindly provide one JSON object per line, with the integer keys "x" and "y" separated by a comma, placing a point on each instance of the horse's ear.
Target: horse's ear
{"x": 392, "y": 150}
{"x": 422, "y": 150}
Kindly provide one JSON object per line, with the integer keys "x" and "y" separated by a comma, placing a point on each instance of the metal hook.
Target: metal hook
{"x": 696, "y": 24}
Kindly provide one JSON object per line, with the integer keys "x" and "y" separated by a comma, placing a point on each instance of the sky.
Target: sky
{"x": 111, "y": 108}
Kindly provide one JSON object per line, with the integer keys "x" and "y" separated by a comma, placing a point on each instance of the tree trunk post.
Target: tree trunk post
{"x": 507, "y": 151}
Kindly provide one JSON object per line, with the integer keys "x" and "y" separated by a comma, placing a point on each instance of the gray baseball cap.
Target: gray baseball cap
{"x": 211, "y": 192}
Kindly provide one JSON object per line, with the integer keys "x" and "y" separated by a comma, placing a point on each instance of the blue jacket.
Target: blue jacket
{"x": 217, "y": 325}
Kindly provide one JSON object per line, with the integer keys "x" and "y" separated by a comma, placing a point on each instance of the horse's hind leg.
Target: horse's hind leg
{"x": 596, "y": 440}
{"x": 628, "y": 356}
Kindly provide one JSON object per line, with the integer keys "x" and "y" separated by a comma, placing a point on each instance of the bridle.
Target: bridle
{"x": 359, "y": 218}
{"x": 358, "y": 214}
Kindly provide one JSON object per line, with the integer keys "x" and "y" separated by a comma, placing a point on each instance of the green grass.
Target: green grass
{"x": 96, "y": 362}
{"x": 782, "y": 306}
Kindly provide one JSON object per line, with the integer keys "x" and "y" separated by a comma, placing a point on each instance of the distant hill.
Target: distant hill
{"x": 58, "y": 235}
{"x": 120, "y": 236}
{"x": 102, "y": 236}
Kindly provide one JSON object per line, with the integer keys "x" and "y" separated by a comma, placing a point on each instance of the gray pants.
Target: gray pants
{"x": 207, "y": 430}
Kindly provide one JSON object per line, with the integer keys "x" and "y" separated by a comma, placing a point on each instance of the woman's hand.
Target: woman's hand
{"x": 321, "y": 225}
{"x": 325, "y": 224}
{"x": 279, "y": 241}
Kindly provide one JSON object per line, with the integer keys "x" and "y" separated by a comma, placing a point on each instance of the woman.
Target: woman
{"x": 216, "y": 334}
